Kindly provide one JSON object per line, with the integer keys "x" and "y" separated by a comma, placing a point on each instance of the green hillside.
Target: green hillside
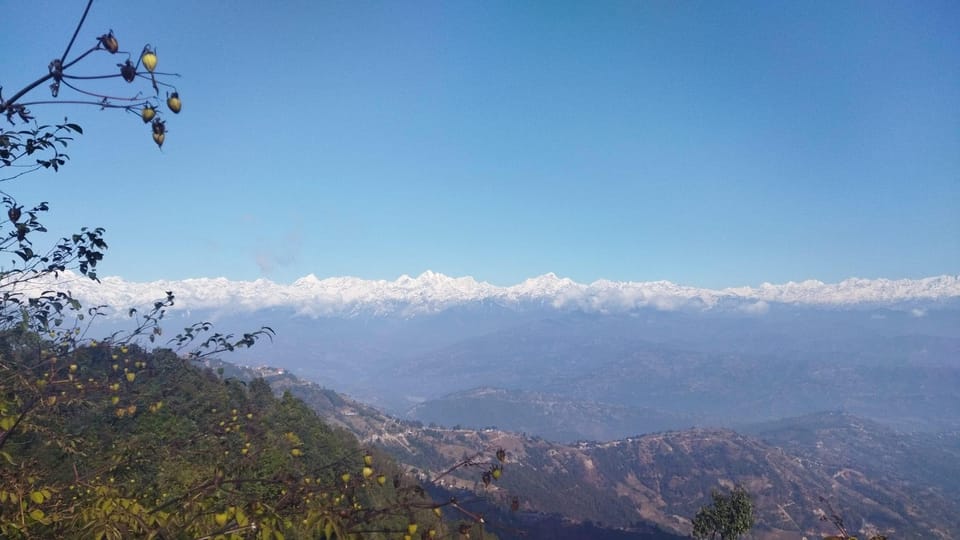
{"x": 117, "y": 442}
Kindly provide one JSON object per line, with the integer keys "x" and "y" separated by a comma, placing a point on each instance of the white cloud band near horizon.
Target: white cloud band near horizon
{"x": 433, "y": 292}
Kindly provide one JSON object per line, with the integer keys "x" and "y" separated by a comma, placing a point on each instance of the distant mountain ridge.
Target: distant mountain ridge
{"x": 431, "y": 292}
{"x": 552, "y": 416}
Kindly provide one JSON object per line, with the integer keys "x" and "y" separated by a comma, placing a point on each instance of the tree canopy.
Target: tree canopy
{"x": 727, "y": 517}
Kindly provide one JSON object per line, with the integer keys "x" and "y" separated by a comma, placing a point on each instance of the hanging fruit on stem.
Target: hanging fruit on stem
{"x": 108, "y": 42}
{"x": 159, "y": 131}
{"x": 173, "y": 101}
{"x": 128, "y": 71}
{"x": 149, "y": 59}
{"x": 147, "y": 113}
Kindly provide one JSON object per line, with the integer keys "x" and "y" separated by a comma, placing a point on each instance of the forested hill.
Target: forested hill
{"x": 117, "y": 443}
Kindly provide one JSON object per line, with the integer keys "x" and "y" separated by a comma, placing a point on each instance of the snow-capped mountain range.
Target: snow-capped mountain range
{"x": 431, "y": 292}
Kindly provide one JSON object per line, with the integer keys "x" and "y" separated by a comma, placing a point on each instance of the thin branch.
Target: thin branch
{"x": 92, "y": 77}
{"x": 92, "y": 94}
{"x": 6, "y": 104}
{"x": 81, "y": 57}
{"x": 23, "y": 414}
{"x": 19, "y": 175}
{"x": 75, "y": 32}
{"x": 104, "y": 104}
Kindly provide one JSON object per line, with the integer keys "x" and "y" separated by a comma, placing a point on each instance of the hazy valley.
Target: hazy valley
{"x": 854, "y": 403}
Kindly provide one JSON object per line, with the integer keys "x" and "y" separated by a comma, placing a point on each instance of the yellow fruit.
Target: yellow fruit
{"x": 381, "y": 479}
{"x": 367, "y": 472}
{"x": 115, "y": 400}
{"x": 345, "y": 477}
{"x": 73, "y": 368}
{"x": 149, "y": 59}
{"x": 367, "y": 460}
{"x": 173, "y": 101}
{"x": 412, "y": 528}
{"x": 437, "y": 511}
{"x": 131, "y": 376}
{"x": 221, "y": 519}
{"x": 296, "y": 452}
{"x": 158, "y": 138}
{"x": 496, "y": 473}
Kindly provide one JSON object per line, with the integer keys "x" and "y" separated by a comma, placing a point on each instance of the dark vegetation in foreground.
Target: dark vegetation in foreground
{"x": 133, "y": 444}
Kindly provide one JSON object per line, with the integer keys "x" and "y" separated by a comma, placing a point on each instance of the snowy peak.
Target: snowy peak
{"x": 545, "y": 286}
{"x": 431, "y": 292}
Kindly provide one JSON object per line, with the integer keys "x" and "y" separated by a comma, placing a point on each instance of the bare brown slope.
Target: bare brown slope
{"x": 664, "y": 478}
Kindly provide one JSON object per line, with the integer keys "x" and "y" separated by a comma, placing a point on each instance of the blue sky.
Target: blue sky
{"x": 710, "y": 144}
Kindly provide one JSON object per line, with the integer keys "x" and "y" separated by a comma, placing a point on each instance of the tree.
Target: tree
{"x": 727, "y": 517}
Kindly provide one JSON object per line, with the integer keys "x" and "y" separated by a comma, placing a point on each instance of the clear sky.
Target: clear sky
{"x": 707, "y": 143}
